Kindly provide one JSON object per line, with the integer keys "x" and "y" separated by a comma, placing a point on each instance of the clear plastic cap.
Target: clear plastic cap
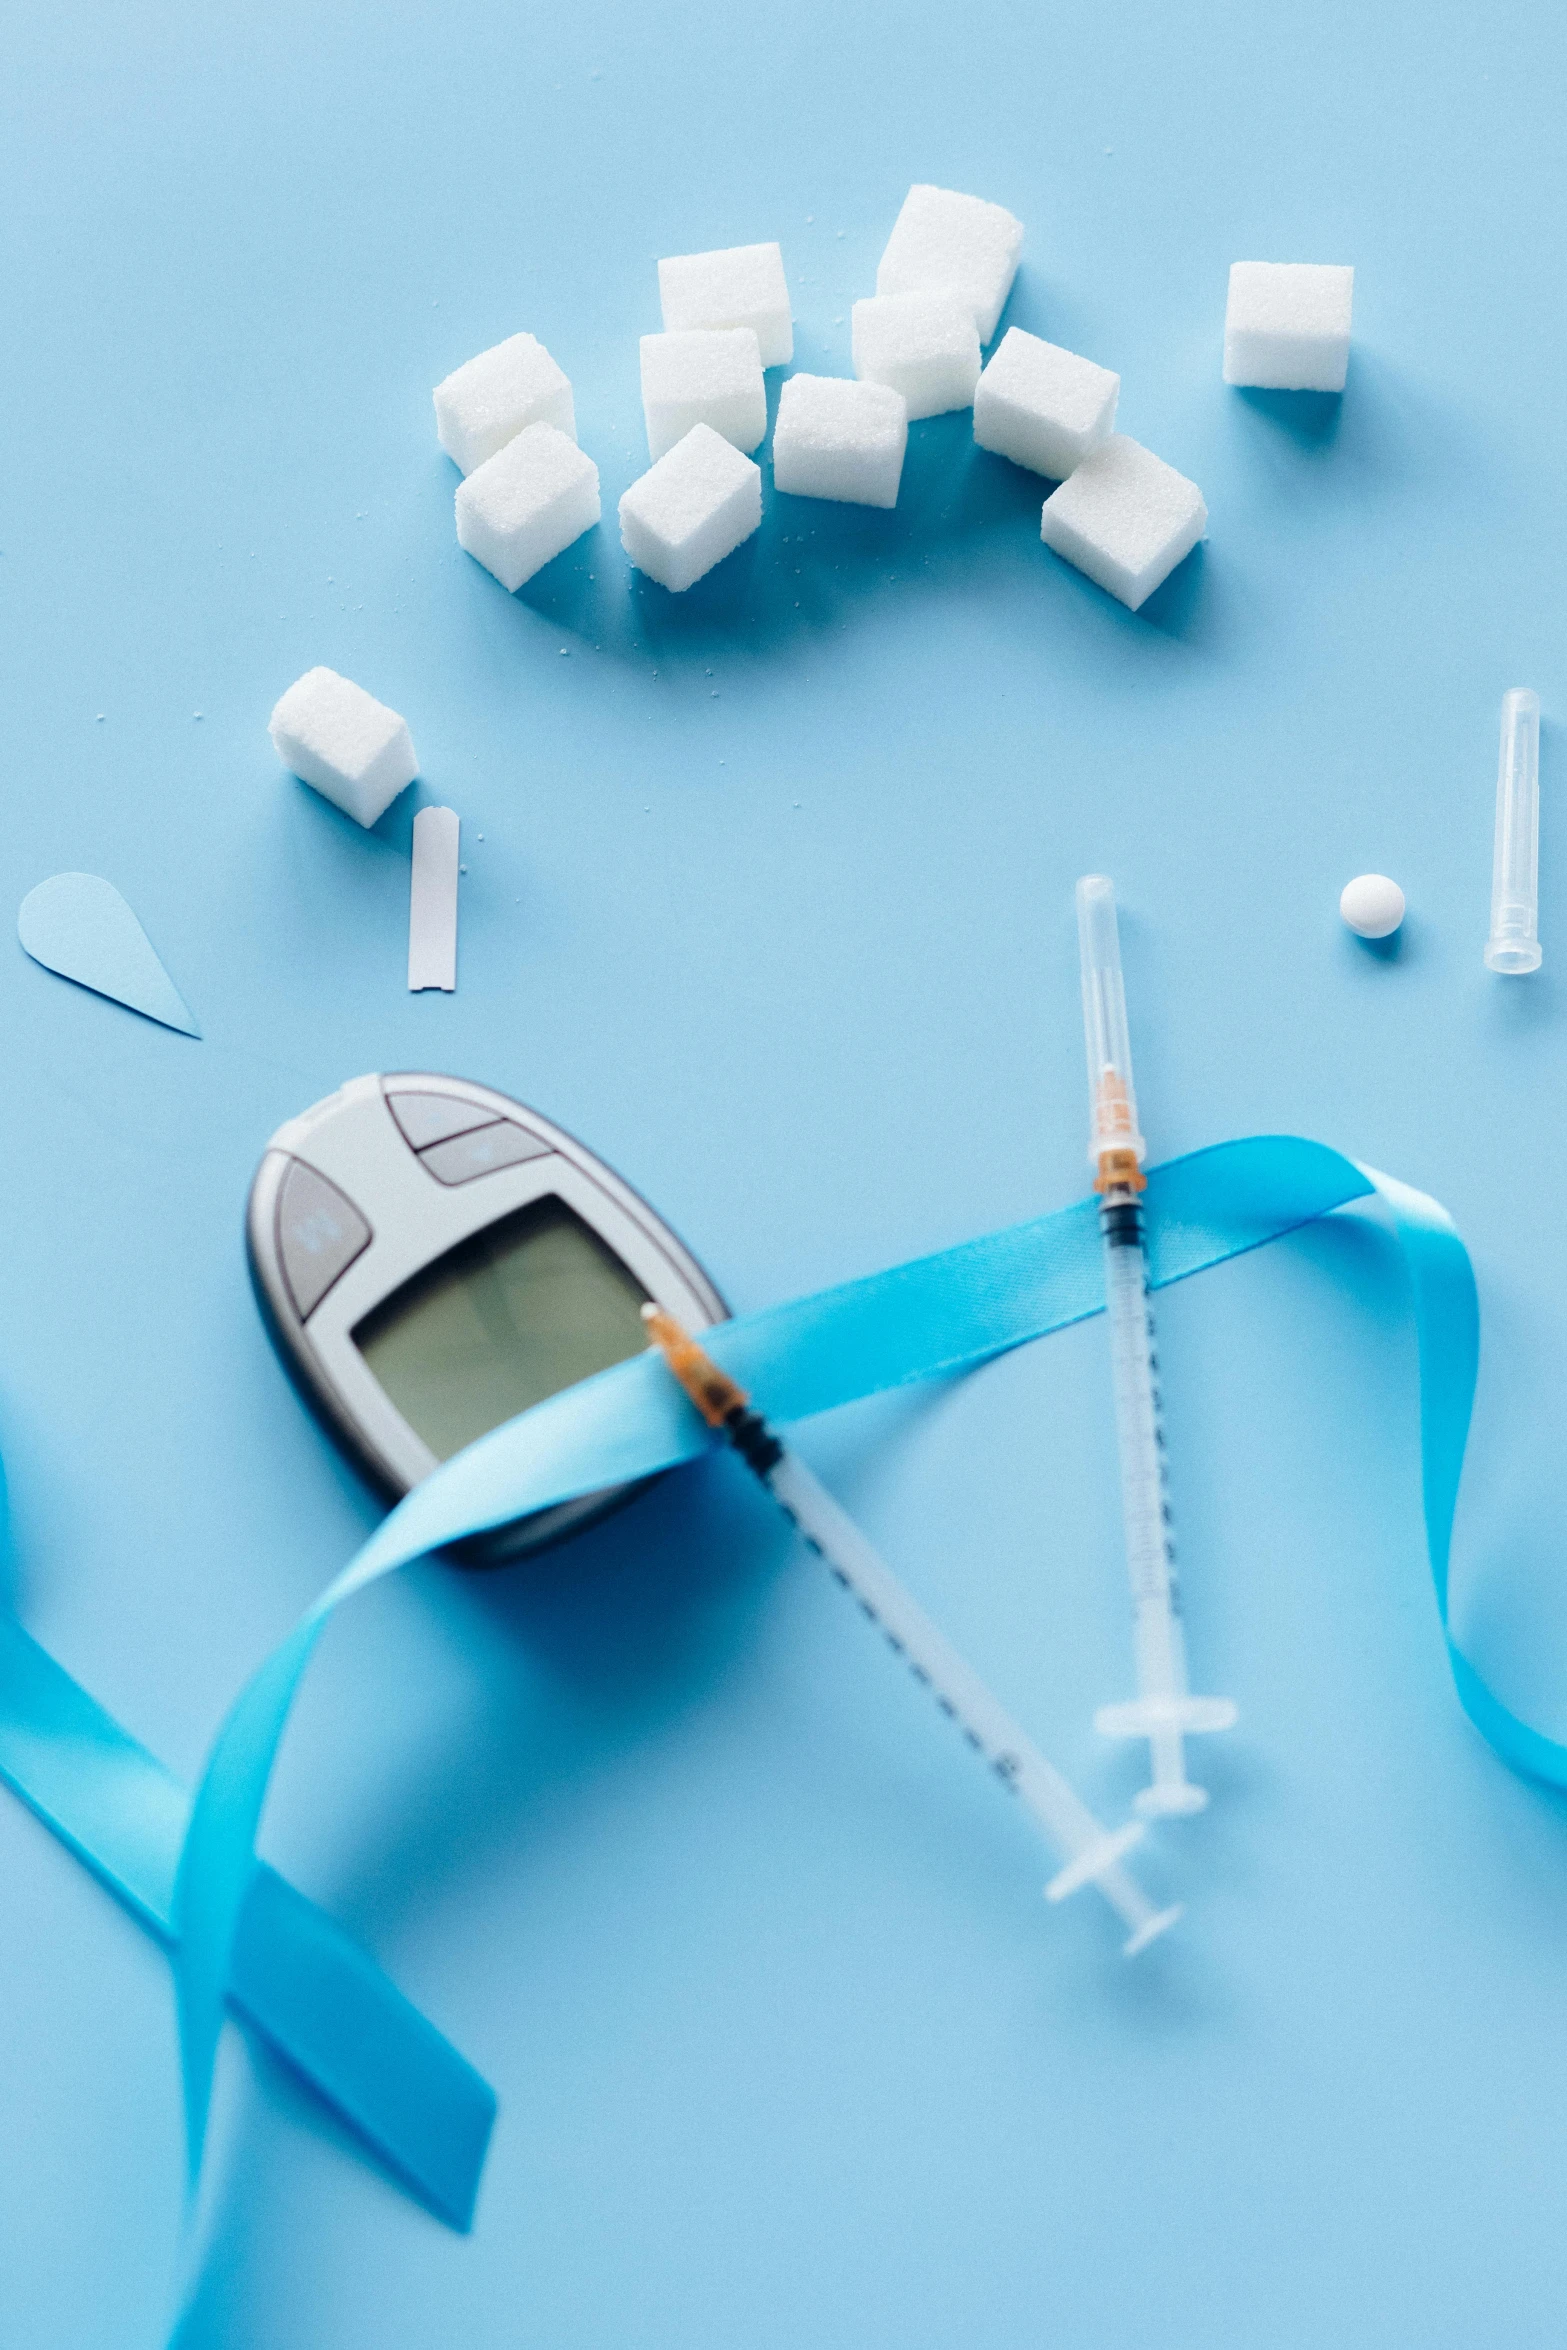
{"x": 1514, "y": 943}
{"x": 1112, "y": 1098}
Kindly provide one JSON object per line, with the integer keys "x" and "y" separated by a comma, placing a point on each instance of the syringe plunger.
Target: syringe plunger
{"x": 1514, "y": 943}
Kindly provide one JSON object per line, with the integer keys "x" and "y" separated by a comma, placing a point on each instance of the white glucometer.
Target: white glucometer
{"x": 431, "y": 1258}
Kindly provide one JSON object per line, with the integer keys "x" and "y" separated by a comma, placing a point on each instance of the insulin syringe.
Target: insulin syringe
{"x": 1090, "y": 1853}
{"x": 1163, "y": 1710}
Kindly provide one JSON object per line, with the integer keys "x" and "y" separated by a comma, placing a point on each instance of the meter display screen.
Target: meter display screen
{"x": 529, "y": 1305}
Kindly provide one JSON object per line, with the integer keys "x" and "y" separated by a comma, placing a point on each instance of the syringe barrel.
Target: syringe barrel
{"x": 1054, "y": 1802}
{"x": 1112, "y": 1099}
{"x": 1514, "y": 943}
{"x": 1161, "y": 1656}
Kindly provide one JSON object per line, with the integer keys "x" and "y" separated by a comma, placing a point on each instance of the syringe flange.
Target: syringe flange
{"x": 1160, "y": 1923}
{"x": 1157, "y": 1716}
{"x": 1085, "y": 1867}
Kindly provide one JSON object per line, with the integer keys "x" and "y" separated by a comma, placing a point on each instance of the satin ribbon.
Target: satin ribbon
{"x": 938, "y": 1315}
{"x": 293, "y": 1975}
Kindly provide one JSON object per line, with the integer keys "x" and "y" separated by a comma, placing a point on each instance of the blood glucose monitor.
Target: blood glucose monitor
{"x": 431, "y": 1258}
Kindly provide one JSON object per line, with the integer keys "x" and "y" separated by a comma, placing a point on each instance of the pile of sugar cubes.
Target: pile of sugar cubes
{"x": 1120, "y": 514}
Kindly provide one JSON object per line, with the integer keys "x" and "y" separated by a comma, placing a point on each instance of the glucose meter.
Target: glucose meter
{"x": 431, "y": 1258}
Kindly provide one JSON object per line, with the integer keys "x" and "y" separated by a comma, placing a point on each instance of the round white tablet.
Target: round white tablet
{"x": 1372, "y": 905}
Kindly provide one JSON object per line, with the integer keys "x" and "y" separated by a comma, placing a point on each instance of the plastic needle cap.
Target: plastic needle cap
{"x": 1113, "y": 1125}
{"x": 1514, "y": 943}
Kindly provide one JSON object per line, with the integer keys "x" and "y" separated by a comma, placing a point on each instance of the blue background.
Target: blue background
{"x": 773, "y": 906}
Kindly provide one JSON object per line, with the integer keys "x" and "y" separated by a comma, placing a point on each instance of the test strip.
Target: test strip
{"x": 432, "y": 901}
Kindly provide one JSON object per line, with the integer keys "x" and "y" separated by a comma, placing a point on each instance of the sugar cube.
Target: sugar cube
{"x": 925, "y": 346}
{"x": 482, "y": 406}
{"x": 1286, "y": 325}
{"x": 1124, "y": 517}
{"x": 691, "y": 509}
{"x": 1041, "y": 406}
{"x": 703, "y": 375}
{"x": 741, "y": 286}
{"x": 836, "y": 438}
{"x": 524, "y": 504}
{"x": 344, "y": 743}
{"x": 942, "y": 243}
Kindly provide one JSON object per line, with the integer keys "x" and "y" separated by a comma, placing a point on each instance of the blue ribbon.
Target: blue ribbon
{"x": 293, "y": 1975}
{"x": 939, "y": 1315}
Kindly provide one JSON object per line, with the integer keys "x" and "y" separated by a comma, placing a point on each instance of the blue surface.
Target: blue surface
{"x": 788, "y": 2048}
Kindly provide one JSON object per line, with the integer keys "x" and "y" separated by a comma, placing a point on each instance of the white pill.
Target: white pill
{"x": 1372, "y": 905}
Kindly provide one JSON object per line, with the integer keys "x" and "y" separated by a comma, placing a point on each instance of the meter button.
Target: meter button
{"x": 432, "y": 1117}
{"x": 319, "y": 1235}
{"x": 500, "y": 1145}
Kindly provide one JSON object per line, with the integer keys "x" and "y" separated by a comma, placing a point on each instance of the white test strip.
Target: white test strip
{"x": 432, "y": 901}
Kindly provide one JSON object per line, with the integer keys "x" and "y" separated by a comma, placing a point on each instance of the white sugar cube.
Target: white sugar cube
{"x": 344, "y": 743}
{"x": 925, "y": 346}
{"x": 1124, "y": 517}
{"x": 836, "y": 438}
{"x": 524, "y": 504}
{"x": 704, "y": 375}
{"x": 691, "y": 509}
{"x": 741, "y": 286}
{"x": 942, "y": 243}
{"x": 482, "y": 406}
{"x": 1041, "y": 406}
{"x": 1286, "y": 325}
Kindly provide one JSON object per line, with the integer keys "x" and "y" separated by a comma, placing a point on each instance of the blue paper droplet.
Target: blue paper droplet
{"x": 79, "y": 925}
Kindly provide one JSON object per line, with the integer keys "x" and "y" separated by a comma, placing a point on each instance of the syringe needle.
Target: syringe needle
{"x": 1163, "y": 1711}
{"x": 1090, "y": 1853}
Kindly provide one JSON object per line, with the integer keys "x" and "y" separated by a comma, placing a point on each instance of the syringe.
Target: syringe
{"x": 1091, "y": 1854}
{"x": 1163, "y": 1711}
